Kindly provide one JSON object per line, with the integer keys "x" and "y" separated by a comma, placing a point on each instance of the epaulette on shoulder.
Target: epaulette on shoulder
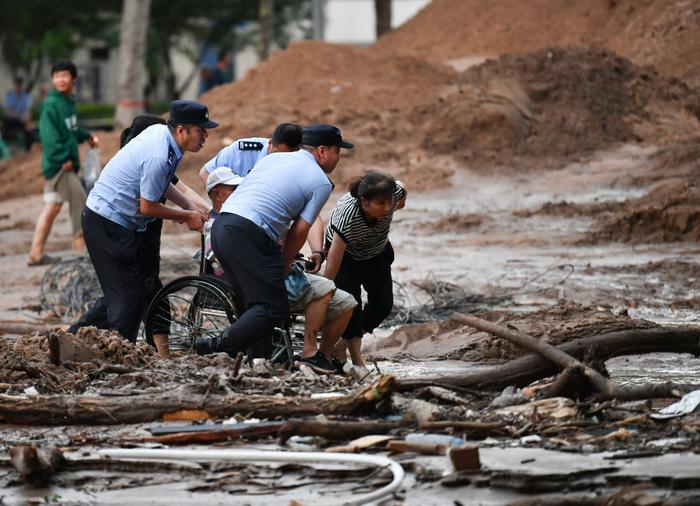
{"x": 250, "y": 146}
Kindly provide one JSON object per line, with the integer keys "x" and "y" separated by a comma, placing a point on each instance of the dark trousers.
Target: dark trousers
{"x": 115, "y": 253}
{"x": 149, "y": 268}
{"x": 375, "y": 276}
{"x": 254, "y": 268}
{"x": 13, "y": 128}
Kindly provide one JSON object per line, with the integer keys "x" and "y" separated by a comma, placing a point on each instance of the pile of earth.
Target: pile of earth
{"x": 564, "y": 209}
{"x": 21, "y": 175}
{"x": 26, "y": 362}
{"x": 420, "y": 120}
{"x": 456, "y": 222}
{"x": 450, "y": 340}
{"x": 649, "y": 32}
{"x": 556, "y": 103}
{"x": 669, "y": 212}
{"x": 367, "y": 95}
{"x": 102, "y": 362}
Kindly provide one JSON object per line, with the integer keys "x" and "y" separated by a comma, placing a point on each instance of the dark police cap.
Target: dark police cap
{"x": 188, "y": 112}
{"x": 323, "y": 135}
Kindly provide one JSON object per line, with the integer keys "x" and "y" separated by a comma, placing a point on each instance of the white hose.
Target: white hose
{"x": 273, "y": 456}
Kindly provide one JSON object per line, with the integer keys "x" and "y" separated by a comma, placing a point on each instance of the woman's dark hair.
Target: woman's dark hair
{"x": 62, "y": 65}
{"x": 372, "y": 185}
{"x": 139, "y": 124}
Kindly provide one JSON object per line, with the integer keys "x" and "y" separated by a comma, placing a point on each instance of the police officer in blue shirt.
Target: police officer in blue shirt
{"x": 127, "y": 196}
{"x": 283, "y": 188}
{"x": 241, "y": 155}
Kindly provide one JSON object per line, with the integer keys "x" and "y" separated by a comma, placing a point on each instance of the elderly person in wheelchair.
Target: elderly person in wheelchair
{"x": 326, "y": 309}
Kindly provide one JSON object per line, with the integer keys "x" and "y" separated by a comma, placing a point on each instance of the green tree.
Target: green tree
{"x": 35, "y": 32}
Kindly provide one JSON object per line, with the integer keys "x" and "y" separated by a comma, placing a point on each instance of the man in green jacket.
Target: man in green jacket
{"x": 60, "y": 135}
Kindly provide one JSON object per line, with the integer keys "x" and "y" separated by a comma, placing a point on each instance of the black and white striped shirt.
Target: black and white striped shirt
{"x": 363, "y": 240}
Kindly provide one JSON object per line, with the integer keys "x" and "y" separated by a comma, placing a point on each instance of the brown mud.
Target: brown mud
{"x": 648, "y": 32}
{"x": 555, "y": 185}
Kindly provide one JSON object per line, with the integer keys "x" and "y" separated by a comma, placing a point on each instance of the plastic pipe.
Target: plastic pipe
{"x": 273, "y": 456}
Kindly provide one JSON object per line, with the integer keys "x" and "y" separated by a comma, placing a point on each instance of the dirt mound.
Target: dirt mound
{"x": 447, "y": 339}
{"x": 655, "y": 32}
{"x": 366, "y": 94}
{"x": 557, "y": 102}
{"x": 419, "y": 120}
{"x": 91, "y": 353}
{"x": 677, "y": 160}
{"x": 669, "y": 212}
{"x": 457, "y": 222}
{"x": 566, "y": 209}
{"x": 21, "y": 175}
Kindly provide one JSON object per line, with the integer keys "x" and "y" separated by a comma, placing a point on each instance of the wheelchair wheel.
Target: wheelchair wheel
{"x": 191, "y": 307}
{"x": 288, "y": 341}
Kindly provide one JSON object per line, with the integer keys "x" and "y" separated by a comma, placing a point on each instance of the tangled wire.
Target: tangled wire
{"x": 447, "y": 298}
{"x": 444, "y": 299}
{"x": 69, "y": 287}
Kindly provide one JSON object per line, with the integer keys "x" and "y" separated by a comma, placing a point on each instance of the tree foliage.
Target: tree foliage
{"x": 35, "y": 32}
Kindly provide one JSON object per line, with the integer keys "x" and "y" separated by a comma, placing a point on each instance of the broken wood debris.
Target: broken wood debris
{"x": 336, "y": 430}
{"x": 65, "y": 410}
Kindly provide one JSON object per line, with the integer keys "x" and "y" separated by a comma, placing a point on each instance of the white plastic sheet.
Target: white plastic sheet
{"x": 686, "y": 405}
{"x": 91, "y": 168}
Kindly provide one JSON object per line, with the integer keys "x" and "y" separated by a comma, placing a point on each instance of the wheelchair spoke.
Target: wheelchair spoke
{"x": 191, "y": 309}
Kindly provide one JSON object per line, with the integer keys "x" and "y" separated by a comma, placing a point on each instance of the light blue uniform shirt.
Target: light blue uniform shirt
{"x": 142, "y": 168}
{"x": 282, "y": 188}
{"x": 17, "y": 104}
{"x": 240, "y": 156}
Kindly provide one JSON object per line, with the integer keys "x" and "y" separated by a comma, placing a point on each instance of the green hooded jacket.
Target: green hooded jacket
{"x": 59, "y": 133}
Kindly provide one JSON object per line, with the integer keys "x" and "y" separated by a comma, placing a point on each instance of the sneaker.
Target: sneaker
{"x": 318, "y": 363}
{"x": 338, "y": 365}
{"x": 359, "y": 372}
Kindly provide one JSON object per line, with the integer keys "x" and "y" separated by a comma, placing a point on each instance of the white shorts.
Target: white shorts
{"x": 320, "y": 286}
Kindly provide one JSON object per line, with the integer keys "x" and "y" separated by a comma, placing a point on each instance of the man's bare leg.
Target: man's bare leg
{"x": 331, "y": 332}
{"x": 78, "y": 242}
{"x": 340, "y": 351}
{"x": 314, "y": 316}
{"x": 162, "y": 345}
{"x": 355, "y": 349}
{"x": 42, "y": 230}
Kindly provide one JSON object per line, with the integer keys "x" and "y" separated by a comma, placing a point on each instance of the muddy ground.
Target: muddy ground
{"x": 525, "y": 249}
{"x": 551, "y": 151}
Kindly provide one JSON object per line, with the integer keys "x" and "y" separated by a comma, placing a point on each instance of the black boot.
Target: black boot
{"x": 207, "y": 345}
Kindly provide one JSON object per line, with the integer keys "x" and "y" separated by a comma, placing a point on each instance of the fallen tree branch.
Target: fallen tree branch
{"x": 606, "y": 388}
{"x": 217, "y": 434}
{"x": 22, "y": 328}
{"x": 525, "y": 370}
{"x": 560, "y": 358}
{"x": 66, "y": 410}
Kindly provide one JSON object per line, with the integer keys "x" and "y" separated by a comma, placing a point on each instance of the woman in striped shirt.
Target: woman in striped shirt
{"x": 360, "y": 255}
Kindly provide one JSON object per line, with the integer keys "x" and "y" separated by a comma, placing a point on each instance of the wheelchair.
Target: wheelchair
{"x": 192, "y": 307}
